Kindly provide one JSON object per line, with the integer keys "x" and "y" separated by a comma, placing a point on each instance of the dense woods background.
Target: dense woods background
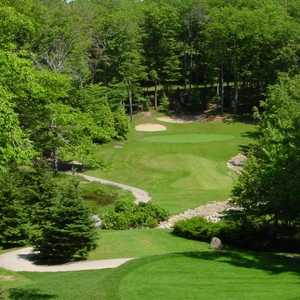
{"x": 66, "y": 63}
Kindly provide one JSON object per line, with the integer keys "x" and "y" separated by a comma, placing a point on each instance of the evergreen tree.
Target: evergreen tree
{"x": 68, "y": 231}
{"x": 13, "y": 218}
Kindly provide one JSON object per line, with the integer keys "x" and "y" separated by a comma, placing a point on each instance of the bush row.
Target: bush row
{"x": 126, "y": 214}
{"x": 259, "y": 236}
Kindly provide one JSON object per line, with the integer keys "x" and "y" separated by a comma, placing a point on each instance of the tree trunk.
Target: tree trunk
{"x": 55, "y": 161}
{"x": 236, "y": 81}
{"x": 236, "y": 95}
{"x": 130, "y": 103}
{"x": 222, "y": 88}
{"x": 191, "y": 75}
{"x": 155, "y": 96}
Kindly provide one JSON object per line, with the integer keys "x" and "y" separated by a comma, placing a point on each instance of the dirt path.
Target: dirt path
{"x": 20, "y": 261}
{"x": 140, "y": 195}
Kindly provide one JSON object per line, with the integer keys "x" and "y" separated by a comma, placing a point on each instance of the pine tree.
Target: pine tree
{"x": 68, "y": 231}
{"x": 13, "y": 222}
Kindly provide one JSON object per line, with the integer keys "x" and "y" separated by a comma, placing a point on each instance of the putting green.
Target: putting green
{"x": 193, "y": 138}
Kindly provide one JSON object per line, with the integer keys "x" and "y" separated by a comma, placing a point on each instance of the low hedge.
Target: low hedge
{"x": 126, "y": 215}
{"x": 255, "y": 236}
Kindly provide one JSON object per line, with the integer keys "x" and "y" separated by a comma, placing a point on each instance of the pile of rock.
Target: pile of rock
{"x": 237, "y": 162}
{"x": 211, "y": 212}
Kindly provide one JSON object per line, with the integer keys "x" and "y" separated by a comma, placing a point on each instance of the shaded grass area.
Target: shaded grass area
{"x": 200, "y": 275}
{"x": 183, "y": 167}
{"x": 98, "y": 197}
{"x": 61, "y": 285}
{"x": 142, "y": 242}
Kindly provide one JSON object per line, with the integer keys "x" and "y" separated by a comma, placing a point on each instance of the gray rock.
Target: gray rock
{"x": 97, "y": 221}
{"x": 216, "y": 243}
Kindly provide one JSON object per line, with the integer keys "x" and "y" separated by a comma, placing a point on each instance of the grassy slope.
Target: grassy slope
{"x": 143, "y": 242}
{"x": 180, "y": 174}
{"x": 196, "y": 276}
{"x": 208, "y": 276}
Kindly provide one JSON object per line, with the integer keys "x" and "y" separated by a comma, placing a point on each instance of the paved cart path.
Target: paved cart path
{"x": 21, "y": 260}
{"x": 140, "y": 195}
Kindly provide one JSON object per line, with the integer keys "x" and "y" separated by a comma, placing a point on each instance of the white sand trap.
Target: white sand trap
{"x": 150, "y": 127}
{"x": 180, "y": 120}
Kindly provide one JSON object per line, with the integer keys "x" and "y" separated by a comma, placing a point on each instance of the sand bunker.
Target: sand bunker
{"x": 149, "y": 127}
{"x": 181, "y": 119}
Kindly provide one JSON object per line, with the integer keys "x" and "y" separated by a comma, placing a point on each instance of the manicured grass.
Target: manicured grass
{"x": 142, "y": 242}
{"x": 205, "y": 275}
{"x": 84, "y": 285}
{"x": 208, "y": 276}
{"x": 192, "y": 138}
{"x": 183, "y": 167}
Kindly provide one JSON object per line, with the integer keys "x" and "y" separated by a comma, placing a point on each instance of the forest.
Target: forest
{"x": 78, "y": 78}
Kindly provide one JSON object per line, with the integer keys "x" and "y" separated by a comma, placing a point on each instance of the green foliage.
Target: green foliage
{"x": 13, "y": 218}
{"x": 269, "y": 186}
{"x": 67, "y": 231}
{"x": 161, "y": 28}
{"x": 165, "y": 104}
{"x": 16, "y": 29}
{"x": 126, "y": 214}
{"x": 92, "y": 101}
{"x": 15, "y": 147}
{"x": 121, "y": 123}
{"x": 197, "y": 228}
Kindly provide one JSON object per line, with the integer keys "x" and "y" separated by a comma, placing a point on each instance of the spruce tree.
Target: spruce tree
{"x": 13, "y": 222}
{"x": 68, "y": 231}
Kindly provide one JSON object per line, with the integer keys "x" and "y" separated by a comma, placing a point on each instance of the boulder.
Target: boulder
{"x": 97, "y": 221}
{"x": 216, "y": 243}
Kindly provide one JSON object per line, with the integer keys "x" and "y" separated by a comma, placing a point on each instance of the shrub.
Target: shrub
{"x": 124, "y": 205}
{"x": 121, "y": 123}
{"x": 115, "y": 220}
{"x": 126, "y": 214}
{"x": 255, "y": 236}
{"x": 165, "y": 104}
{"x": 196, "y": 228}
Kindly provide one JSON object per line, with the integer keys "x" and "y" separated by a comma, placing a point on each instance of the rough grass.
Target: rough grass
{"x": 99, "y": 197}
{"x": 181, "y": 168}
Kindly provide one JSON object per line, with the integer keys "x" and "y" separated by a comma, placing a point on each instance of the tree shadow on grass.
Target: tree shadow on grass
{"x": 272, "y": 263}
{"x": 28, "y": 294}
